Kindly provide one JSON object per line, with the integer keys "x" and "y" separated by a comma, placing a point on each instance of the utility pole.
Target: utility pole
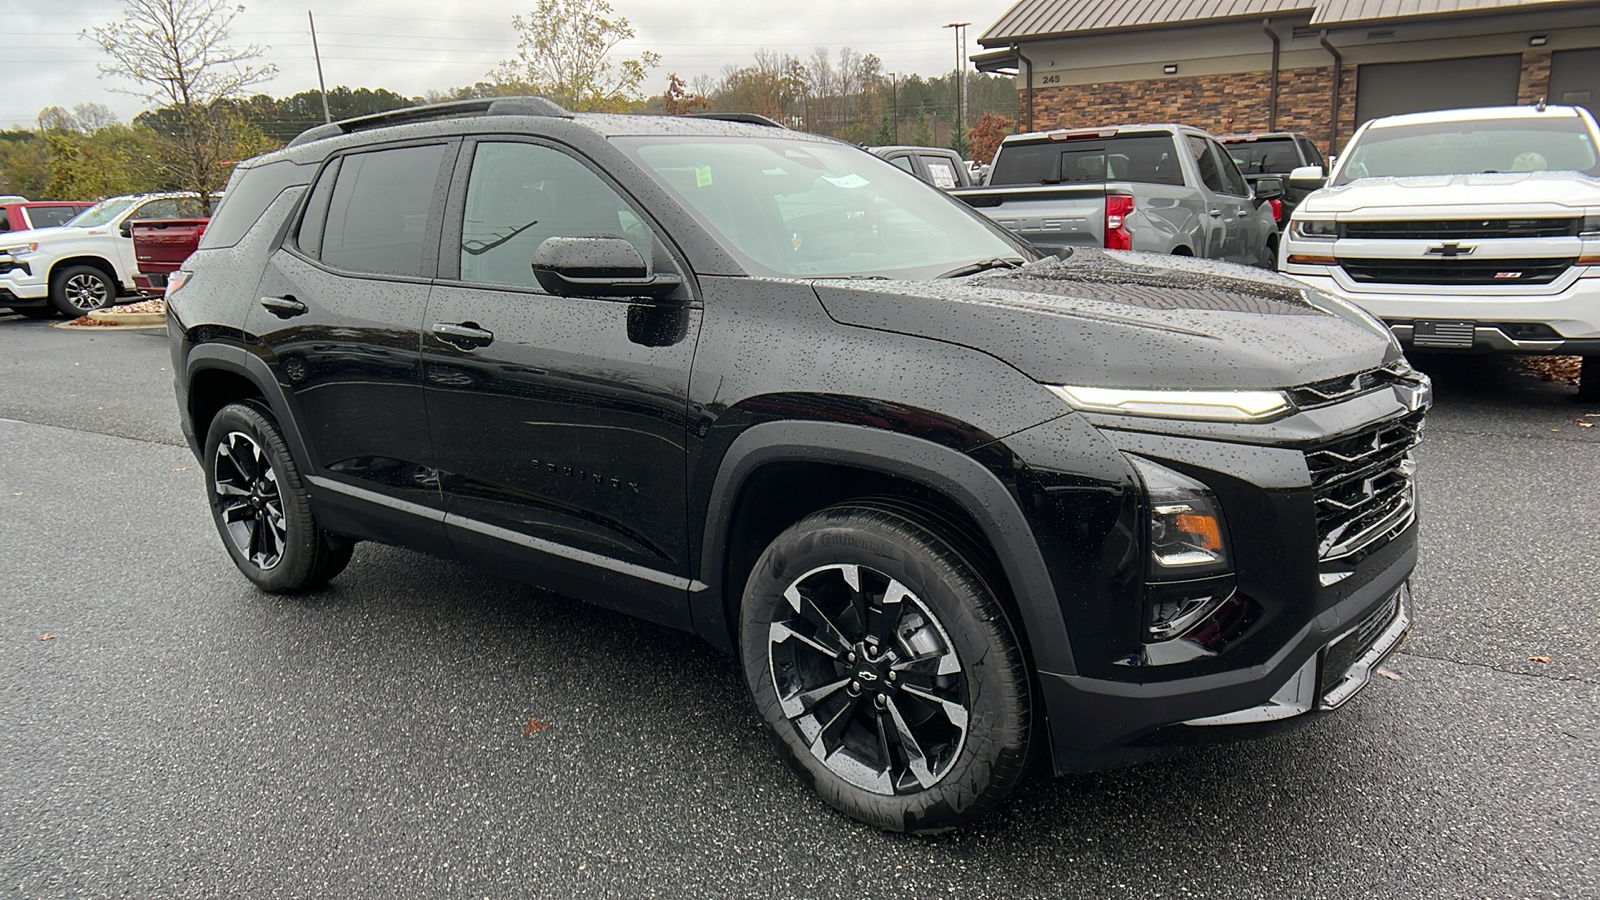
{"x": 894, "y": 104}
{"x": 321, "y": 85}
{"x": 961, "y": 47}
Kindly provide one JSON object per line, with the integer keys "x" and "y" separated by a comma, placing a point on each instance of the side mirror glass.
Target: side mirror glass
{"x": 127, "y": 228}
{"x": 1269, "y": 188}
{"x": 1308, "y": 178}
{"x": 597, "y": 267}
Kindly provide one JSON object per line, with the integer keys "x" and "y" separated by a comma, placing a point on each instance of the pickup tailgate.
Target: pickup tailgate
{"x": 161, "y": 245}
{"x": 1047, "y": 215}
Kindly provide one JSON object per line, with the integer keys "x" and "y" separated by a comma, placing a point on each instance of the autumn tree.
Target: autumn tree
{"x": 176, "y": 55}
{"x": 985, "y": 135}
{"x": 564, "y": 53}
{"x": 679, "y": 100}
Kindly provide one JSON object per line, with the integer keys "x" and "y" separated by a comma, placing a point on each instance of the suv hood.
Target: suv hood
{"x": 1571, "y": 191}
{"x": 1119, "y": 319}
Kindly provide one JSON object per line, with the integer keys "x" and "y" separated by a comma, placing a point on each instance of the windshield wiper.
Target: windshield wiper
{"x": 984, "y": 265}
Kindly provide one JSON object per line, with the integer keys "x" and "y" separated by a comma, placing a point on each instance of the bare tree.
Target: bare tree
{"x": 176, "y": 54}
{"x": 563, "y": 52}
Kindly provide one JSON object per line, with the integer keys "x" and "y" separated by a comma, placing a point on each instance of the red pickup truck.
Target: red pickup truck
{"x": 160, "y": 246}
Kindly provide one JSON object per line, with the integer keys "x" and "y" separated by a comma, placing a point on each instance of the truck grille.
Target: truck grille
{"x": 1362, "y": 486}
{"x": 1460, "y": 229}
{"x": 1460, "y": 270}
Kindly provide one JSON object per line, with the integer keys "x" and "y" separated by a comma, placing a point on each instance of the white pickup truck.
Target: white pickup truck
{"x": 87, "y": 263}
{"x": 1467, "y": 229}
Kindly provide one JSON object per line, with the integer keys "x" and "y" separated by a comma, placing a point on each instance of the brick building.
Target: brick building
{"x": 1269, "y": 65}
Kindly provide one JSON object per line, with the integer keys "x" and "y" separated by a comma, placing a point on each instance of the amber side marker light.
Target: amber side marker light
{"x": 1203, "y": 527}
{"x": 1589, "y": 261}
{"x": 1300, "y": 259}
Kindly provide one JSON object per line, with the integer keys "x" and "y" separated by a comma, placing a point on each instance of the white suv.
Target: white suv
{"x": 85, "y": 264}
{"x": 1467, "y": 229}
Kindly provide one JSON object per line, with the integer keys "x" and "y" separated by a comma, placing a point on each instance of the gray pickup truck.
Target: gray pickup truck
{"x": 1158, "y": 188}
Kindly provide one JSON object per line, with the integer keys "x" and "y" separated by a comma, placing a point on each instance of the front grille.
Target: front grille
{"x": 1457, "y": 270}
{"x": 1357, "y": 641}
{"x": 1459, "y": 229}
{"x": 1362, "y": 486}
{"x": 1333, "y": 390}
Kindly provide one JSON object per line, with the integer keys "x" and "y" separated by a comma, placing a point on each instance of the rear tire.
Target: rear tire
{"x": 260, "y": 505}
{"x": 887, "y": 670}
{"x": 79, "y": 290}
{"x": 1589, "y": 380}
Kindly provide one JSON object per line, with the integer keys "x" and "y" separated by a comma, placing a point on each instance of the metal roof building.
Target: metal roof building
{"x": 1318, "y": 66}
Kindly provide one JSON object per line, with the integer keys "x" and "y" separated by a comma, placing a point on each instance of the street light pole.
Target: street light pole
{"x": 960, "y": 30}
{"x": 323, "y": 85}
{"x": 894, "y": 104}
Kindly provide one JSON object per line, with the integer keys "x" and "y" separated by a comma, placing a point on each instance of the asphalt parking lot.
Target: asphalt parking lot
{"x": 167, "y": 731}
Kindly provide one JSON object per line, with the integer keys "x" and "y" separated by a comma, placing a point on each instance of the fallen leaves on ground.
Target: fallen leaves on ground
{"x": 180, "y": 468}
{"x": 535, "y": 725}
{"x": 1539, "y": 659}
{"x": 47, "y": 636}
{"x": 1560, "y": 369}
{"x": 1392, "y": 676}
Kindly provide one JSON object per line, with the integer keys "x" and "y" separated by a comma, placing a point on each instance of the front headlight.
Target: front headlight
{"x": 1216, "y": 406}
{"x": 19, "y": 250}
{"x": 1313, "y": 229}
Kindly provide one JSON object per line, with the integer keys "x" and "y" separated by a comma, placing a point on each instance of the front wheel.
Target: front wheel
{"x": 260, "y": 504}
{"x": 79, "y": 290}
{"x": 887, "y": 670}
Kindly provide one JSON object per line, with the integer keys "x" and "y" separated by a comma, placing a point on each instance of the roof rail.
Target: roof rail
{"x": 493, "y": 106}
{"x": 746, "y": 118}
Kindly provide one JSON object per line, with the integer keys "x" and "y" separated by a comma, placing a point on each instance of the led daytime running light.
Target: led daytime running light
{"x": 1223, "y": 406}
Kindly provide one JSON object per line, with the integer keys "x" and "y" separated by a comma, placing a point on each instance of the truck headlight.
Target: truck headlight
{"x": 1313, "y": 229}
{"x": 1217, "y": 406}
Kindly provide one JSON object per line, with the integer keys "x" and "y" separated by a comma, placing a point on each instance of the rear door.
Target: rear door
{"x": 559, "y": 422}
{"x": 943, "y": 171}
{"x": 1250, "y": 222}
{"x": 1217, "y": 230}
{"x": 338, "y": 314}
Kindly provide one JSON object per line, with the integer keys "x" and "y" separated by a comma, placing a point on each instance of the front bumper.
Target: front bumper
{"x": 23, "y": 280}
{"x": 1564, "y": 320}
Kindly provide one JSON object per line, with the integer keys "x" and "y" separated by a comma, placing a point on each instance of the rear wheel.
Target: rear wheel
{"x": 260, "y": 504}
{"x": 77, "y": 290}
{"x": 886, "y": 669}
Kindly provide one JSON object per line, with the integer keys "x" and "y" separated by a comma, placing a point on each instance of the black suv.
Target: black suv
{"x": 949, "y": 502}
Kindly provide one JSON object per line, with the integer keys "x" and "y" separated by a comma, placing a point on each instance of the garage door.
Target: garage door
{"x": 1575, "y": 78}
{"x": 1390, "y": 89}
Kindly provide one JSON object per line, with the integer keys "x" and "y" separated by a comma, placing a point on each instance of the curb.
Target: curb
{"x": 142, "y": 320}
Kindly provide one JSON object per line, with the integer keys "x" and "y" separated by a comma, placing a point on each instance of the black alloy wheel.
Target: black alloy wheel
{"x": 78, "y": 290}
{"x": 261, "y": 507}
{"x": 886, "y": 669}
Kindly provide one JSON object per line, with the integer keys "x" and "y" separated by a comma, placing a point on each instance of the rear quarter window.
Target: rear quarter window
{"x": 249, "y": 193}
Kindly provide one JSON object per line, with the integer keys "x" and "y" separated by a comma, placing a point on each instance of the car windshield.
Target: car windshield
{"x": 1558, "y": 143}
{"x": 102, "y": 212}
{"x": 806, "y": 209}
{"x": 1264, "y": 156}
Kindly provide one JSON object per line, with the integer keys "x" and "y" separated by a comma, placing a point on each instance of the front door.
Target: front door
{"x": 558, "y": 422}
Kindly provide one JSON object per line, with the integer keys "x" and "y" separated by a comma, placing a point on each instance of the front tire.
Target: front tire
{"x": 887, "y": 670}
{"x": 79, "y": 290}
{"x": 260, "y": 505}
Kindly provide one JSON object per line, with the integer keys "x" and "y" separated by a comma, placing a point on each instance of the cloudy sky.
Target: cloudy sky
{"x": 411, "y": 46}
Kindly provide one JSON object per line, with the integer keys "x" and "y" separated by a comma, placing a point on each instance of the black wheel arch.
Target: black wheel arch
{"x": 874, "y": 461}
{"x": 218, "y": 374}
{"x": 93, "y": 262}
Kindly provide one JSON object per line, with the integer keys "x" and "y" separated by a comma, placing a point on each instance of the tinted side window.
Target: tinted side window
{"x": 941, "y": 171}
{"x": 1205, "y": 164}
{"x": 47, "y": 216}
{"x": 519, "y": 195}
{"x": 157, "y": 209}
{"x": 1232, "y": 180}
{"x": 5, "y": 222}
{"x": 309, "y": 236}
{"x": 1313, "y": 155}
{"x": 1142, "y": 158}
{"x": 249, "y": 193}
{"x": 904, "y": 162}
{"x": 380, "y": 209}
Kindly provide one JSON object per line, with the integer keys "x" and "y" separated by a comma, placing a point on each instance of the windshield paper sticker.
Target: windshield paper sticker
{"x": 702, "y": 175}
{"x": 846, "y": 181}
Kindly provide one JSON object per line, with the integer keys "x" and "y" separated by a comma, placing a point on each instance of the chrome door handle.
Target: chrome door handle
{"x": 283, "y": 307}
{"x": 1215, "y": 213}
{"x": 466, "y": 336}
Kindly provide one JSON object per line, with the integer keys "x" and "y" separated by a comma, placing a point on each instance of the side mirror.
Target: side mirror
{"x": 1269, "y": 188}
{"x": 1308, "y": 177}
{"x": 126, "y": 230}
{"x": 597, "y": 267}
